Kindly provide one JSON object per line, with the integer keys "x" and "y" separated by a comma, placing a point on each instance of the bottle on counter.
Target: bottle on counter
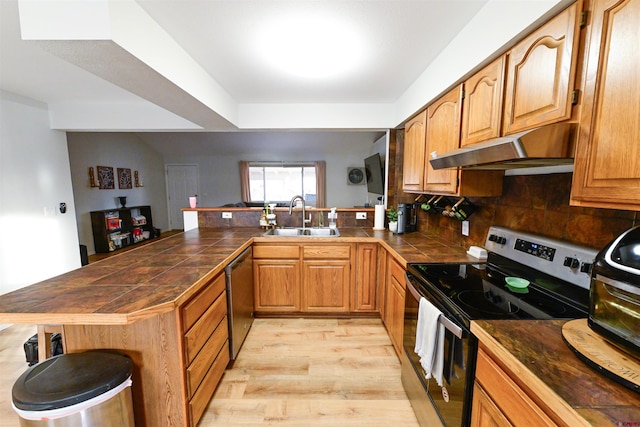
{"x": 271, "y": 215}
{"x": 333, "y": 216}
{"x": 263, "y": 218}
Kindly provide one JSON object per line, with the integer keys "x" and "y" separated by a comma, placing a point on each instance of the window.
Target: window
{"x": 281, "y": 181}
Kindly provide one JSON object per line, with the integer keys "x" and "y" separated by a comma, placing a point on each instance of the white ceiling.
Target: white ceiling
{"x": 197, "y": 65}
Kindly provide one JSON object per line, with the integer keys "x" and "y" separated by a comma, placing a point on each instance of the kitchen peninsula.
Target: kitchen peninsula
{"x": 135, "y": 303}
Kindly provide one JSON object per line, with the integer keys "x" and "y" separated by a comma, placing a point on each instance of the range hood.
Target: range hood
{"x": 548, "y": 145}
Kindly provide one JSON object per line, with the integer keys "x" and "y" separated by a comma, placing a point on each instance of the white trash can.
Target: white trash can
{"x": 76, "y": 389}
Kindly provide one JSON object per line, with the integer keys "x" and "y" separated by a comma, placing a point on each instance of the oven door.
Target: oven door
{"x": 452, "y": 402}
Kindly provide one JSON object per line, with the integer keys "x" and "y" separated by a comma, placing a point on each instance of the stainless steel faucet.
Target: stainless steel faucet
{"x": 304, "y": 212}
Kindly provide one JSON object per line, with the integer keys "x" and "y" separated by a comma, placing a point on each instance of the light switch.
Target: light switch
{"x": 227, "y": 215}
{"x": 465, "y": 228}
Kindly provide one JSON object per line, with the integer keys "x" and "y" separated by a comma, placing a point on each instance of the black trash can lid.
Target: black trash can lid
{"x": 69, "y": 379}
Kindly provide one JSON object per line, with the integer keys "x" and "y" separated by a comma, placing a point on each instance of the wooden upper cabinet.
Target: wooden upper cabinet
{"x": 443, "y": 135}
{"x": 482, "y": 106}
{"x": 438, "y": 129}
{"x": 607, "y": 163}
{"x": 414, "y": 153}
{"x": 541, "y": 73}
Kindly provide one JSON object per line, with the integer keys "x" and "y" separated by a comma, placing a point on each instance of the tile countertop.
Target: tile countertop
{"x": 157, "y": 277}
{"x": 538, "y": 359}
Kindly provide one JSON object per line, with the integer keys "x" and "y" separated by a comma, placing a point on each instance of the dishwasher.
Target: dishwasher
{"x": 239, "y": 278}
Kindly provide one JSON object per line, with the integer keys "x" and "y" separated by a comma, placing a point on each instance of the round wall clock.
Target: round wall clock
{"x": 355, "y": 176}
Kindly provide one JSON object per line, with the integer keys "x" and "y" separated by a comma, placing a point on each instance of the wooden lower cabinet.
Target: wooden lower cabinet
{"x": 326, "y": 286}
{"x": 303, "y": 277}
{"x": 382, "y": 282}
{"x": 394, "y": 304}
{"x": 277, "y": 278}
{"x": 499, "y": 401}
{"x": 178, "y": 356}
{"x": 365, "y": 290}
{"x": 485, "y": 413}
{"x": 277, "y": 285}
{"x": 206, "y": 345}
{"x": 326, "y": 278}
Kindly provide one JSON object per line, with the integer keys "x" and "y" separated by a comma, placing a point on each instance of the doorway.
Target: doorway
{"x": 182, "y": 182}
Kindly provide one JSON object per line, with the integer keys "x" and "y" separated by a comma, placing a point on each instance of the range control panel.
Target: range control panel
{"x": 558, "y": 258}
{"x": 535, "y": 249}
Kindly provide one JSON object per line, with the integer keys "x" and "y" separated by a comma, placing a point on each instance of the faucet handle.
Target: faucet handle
{"x": 308, "y": 220}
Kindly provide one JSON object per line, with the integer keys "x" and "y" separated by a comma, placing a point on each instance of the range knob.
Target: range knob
{"x": 585, "y": 267}
{"x": 571, "y": 262}
{"x": 498, "y": 239}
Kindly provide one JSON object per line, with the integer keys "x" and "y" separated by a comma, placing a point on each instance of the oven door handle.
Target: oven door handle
{"x": 455, "y": 329}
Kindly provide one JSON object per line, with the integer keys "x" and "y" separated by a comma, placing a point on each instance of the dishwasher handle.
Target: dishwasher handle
{"x": 247, "y": 253}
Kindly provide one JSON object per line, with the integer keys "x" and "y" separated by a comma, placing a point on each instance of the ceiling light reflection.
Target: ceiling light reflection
{"x": 311, "y": 46}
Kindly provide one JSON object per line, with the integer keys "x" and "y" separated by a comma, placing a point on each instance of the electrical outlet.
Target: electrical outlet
{"x": 465, "y": 228}
{"x": 361, "y": 215}
{"x": 227, "y": 215}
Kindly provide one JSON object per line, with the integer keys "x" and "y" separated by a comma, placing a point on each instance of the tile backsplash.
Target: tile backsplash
{"x": 536, "y": 204}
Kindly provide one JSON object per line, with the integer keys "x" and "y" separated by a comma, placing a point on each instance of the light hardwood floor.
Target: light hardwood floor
{"x": 290, "y": 372}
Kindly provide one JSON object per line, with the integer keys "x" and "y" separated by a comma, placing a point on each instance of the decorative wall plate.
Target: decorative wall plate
{"x": 356, "y": 176}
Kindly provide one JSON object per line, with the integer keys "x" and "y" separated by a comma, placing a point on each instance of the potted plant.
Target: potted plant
{"x": 392, "y": 216}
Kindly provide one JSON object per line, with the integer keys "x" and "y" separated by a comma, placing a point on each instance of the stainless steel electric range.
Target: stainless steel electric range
{"x": 558, "y": 273}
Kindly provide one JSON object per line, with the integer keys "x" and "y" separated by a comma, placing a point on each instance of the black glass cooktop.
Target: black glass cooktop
{"x": 479, "y": 291}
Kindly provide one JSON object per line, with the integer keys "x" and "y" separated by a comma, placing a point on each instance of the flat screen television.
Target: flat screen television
{"x": 375, "y": 176}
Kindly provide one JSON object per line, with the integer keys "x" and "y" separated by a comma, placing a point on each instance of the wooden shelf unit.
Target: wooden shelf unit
{"x": 109, "y": 223}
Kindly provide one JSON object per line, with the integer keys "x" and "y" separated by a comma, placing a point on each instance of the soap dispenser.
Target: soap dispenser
{"x": 333, "y": 216}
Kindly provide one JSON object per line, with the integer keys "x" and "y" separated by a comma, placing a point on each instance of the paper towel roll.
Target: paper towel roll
{"x": 378, "y": 223}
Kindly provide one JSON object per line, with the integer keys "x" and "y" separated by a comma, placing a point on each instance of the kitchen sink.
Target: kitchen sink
{"x": 303, "y": 232}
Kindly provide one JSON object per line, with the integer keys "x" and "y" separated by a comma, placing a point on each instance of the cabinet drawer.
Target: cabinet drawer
{"x": 201, "y": 364}
{"x": 201, "y": 331}
{"x": 327, "y": 251}
{"x": 396, "y": 270}
{"x": 507, "y": 395}
{"x": 201, "y": 399}
{"x": 276, "y": 251}
{"x": 192, "y": 311}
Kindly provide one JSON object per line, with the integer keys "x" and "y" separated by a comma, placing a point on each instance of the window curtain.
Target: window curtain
{"x": 321, "y": 173}
{"x": 245, "y": 184}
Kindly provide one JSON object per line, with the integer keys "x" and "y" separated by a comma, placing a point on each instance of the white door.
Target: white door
{"x": 182, "y": 182}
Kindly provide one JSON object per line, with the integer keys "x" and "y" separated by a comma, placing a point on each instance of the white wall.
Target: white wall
{"x": 219, "y": 178}
{"x": 38, "y": 242}
{"x": 118, "y": 150}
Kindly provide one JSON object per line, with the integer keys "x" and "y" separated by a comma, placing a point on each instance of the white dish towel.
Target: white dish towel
{"x": 430, "y": 340}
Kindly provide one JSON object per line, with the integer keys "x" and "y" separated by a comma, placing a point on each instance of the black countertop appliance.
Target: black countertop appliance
{"x": 407, "y": 218}
{"x": 614, "y": 310}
